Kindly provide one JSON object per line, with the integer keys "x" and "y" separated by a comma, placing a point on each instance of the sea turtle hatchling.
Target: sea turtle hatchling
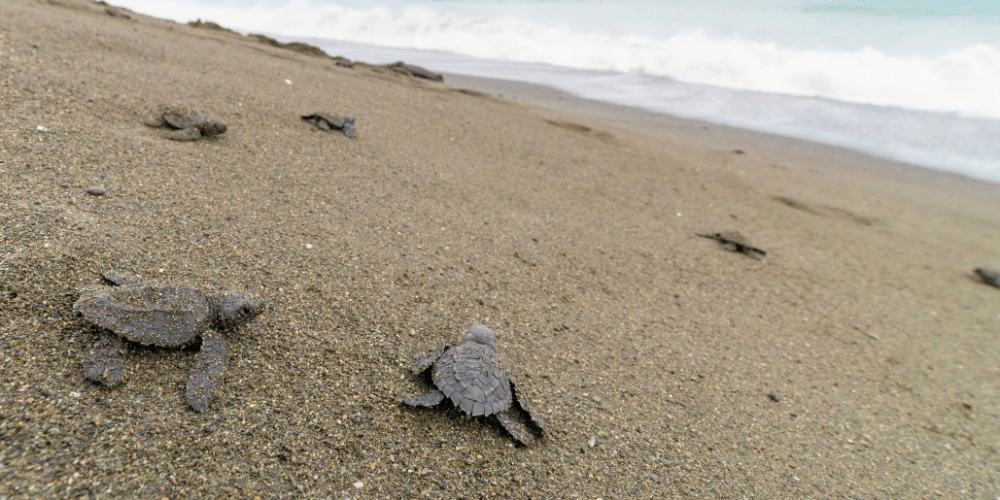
{"x": 475, "y": 381}
{"x": 163, "y": 316}
{"x": 326, "y": 121}
{"x": 736, "y": 242}
{"x": 989, "y": 276}
{"x": 187, "y": 124}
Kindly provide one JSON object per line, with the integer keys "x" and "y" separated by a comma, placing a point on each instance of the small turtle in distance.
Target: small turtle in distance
{"x": 163, "y": 316}
{"x": 414, "y": 71}
{"x": 187, "y": 124}
{"x": 324, "y": 121}
{"x": 990, "y": 277}
{"x": 475, "y": 381}
{"x": 734, "y": 241}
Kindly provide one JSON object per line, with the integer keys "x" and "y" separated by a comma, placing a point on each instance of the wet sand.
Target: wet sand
{"x": 857, "y": 359}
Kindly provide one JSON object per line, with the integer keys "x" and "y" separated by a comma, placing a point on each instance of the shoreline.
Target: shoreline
{"x": 808, "y": 107}
{"x": 556, "y": 99}
{"x": 852, "y": 169}
{"x": 962, "y": 144}
{"x": 857, "y": 357}
{"x": 911, "y": 128}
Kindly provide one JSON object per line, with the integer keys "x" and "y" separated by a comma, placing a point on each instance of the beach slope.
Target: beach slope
{"x": 857, "y": 359}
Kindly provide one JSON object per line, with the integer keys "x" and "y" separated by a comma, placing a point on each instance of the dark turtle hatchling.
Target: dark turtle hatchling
{"x": 988, "y": 276}
{"x": 187, "y": 124}
{"x": 325, "y": 121}
{"x": 475, "y": 381}
{"x": 735, "y": 242}
{"x": 164, "y": 316}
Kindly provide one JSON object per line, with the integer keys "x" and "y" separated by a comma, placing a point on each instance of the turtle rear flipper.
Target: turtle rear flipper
{"x": 522, "y": 403}
{"x": 515, "y": 428}
{"x": 207, "y": 376}
{"x": 430, "y": 399}
{"x": 103, "y": 364}
{"x": 155, "y": 119}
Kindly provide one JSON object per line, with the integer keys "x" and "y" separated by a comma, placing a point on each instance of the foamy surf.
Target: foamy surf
{"x": 965, "y": 80}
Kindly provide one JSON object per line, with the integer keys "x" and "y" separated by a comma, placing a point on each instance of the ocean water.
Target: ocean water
{"x": 917, "y": 81}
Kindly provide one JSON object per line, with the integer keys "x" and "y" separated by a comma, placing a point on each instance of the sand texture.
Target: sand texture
{"x": 858, "y": 359}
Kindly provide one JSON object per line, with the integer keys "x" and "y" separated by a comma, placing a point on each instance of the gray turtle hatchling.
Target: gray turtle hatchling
{"x": 187, "y": 124}
{"x": 324, "y": 121}
{"x": 736, "y": 242}
{"x": 163, "y": 316}
{"x": 988, "y": 276}
{"x": 475, "y": 381}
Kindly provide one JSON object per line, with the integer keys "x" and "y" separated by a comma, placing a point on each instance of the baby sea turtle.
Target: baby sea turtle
{"x": 414, "y": 71}
{"x": 187, "y": 124}
{"x": 475, "y": 381}
{"x": 325, "y": 121}
{"x": 163, "y": 316}
{"x": 734, "y": 241}
{"x": 989, "y": 276}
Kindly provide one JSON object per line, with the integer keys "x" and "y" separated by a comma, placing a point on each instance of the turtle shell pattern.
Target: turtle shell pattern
{"x": 472, "y": 377}
{"x": 182, "y": 118}
{"x": 163, "y": 316}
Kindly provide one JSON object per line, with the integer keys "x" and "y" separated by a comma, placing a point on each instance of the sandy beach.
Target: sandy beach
{"x": 857, "y": 359}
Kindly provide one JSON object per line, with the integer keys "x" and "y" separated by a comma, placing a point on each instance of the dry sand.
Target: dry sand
{"x": 650, "y": 351}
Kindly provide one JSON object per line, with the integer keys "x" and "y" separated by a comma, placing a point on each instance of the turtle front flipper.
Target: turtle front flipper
{"x": 117, "y": 279}
{"x": 522, "y": 403}
{"x": 185, "y": 135}
{"x": 425, "y": 362}
{"x": 207, "y": 375}
{"x": 103, "y": 364}
{"x": 514, "y": 428}
{"x": 430, "y": 399}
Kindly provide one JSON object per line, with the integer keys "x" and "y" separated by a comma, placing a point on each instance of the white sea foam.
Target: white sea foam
{"x": 965, "y": 80}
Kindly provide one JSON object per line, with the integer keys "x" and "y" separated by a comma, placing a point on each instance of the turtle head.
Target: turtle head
{"x": 480, "y": 334}
{"x": 210, "y": 128}
{"x": 235, "y": 308}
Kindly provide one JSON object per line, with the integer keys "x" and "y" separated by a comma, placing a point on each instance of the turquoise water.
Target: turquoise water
{"x": 834, "y": 72}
